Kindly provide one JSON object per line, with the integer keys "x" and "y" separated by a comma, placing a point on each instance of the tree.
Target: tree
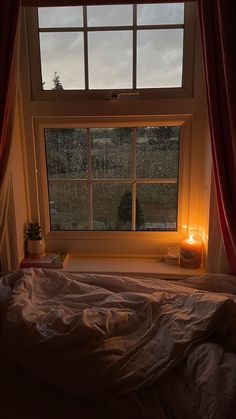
{"x": 57, "y": 82}
{"x": 125, "y": 210}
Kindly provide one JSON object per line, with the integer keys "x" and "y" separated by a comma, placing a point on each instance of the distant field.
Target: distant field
{"x": 69, "y": 199}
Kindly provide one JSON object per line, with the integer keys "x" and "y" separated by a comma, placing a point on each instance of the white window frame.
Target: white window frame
{"x": 177, "y": 92}
{"x": 160, "y": 107}
{"x": 90, "y": 181}
{"x": 129, "y": 236}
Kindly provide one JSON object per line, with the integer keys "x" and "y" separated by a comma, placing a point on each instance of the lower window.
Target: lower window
{"x": 113, "y": 179}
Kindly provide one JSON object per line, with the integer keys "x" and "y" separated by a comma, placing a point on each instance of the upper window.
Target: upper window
{"x": 123, "y": 47}
{"x": 112, "y": 47}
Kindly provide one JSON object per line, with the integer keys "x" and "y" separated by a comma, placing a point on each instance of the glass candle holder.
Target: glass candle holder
{"x": 191, "y": 252}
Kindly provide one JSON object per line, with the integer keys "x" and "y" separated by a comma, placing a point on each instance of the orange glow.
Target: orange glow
{"x": 191, "y": 238}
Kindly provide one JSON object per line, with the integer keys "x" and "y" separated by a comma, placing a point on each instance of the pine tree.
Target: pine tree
{"x": 125, "y": 210}
{"x": 57, "y": 82}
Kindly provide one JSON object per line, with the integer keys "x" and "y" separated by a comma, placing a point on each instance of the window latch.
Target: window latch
{"x": 116, "y": 95}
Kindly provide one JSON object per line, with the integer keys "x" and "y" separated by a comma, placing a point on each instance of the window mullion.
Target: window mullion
{"x": 86, "y": 70}
{"x": 158, "y": 181}
{"x": 90, "y": 184}
{"x": 133, "y": 157}
{"x": 134, "y": 46}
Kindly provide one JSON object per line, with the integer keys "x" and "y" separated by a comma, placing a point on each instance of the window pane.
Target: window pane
{"x": 157, "y": 152}
{"x": 160, "y": 14}
{"x": 112, "y": 207}
{"x": 68, "y": 202}
{"x": 117, "y": 15}
{"x": 66, "y": 153}
{"x": 158, "y": 206}
{"x": 110, "y": 60}
{"x": 62, "y": 53}
{"x": 111, "y": 153}
{"x": 60, "y": 17}
{"x": 159, "y": 58}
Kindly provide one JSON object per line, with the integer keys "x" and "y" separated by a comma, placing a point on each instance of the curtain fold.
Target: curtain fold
{"x": 9, "y": 47}
{"x": 9, "y": 15}
{"x": 217, "y": 20}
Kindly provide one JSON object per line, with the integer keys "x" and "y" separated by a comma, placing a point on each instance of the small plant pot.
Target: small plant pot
{"x": 36, "y": 248}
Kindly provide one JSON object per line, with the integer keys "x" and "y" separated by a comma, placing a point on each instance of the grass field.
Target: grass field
{"x": 111, "y": 159}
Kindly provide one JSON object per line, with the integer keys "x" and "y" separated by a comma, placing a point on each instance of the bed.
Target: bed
{"x": 112, "y": 346}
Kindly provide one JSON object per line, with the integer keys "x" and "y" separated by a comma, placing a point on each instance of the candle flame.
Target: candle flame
{"x": 191, "y": 238}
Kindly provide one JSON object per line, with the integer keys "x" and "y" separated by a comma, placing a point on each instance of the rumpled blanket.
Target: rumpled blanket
{"x": 100, "y": 335}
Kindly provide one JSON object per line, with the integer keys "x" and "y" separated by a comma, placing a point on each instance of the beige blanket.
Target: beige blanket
{"x": 97, "y": 335}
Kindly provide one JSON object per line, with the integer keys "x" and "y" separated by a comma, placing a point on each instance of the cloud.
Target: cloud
{"x": 116, "y": 15}
{"x": 159, "y": 14}
{"x": 110, "y": 60}
{"x": 159, "y": 58}
{"x": 57, "y": 17}
{"x": 159, "y": 52}
{"x": 63, "y": 53}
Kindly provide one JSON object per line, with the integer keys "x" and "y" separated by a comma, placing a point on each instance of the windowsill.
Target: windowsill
{"x": 118, "y": 265}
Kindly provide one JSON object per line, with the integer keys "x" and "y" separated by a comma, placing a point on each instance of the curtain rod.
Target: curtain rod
{"x": 46, "y": 3}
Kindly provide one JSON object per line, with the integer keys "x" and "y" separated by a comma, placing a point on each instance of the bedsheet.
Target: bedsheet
{"x": 106, "y": 336}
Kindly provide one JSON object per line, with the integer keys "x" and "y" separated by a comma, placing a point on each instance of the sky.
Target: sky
{"x": 159, "y": 52}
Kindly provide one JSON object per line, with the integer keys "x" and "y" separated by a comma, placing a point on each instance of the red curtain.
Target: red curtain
{"x": 9, "y": 13}
{"x": 217, "y": 20}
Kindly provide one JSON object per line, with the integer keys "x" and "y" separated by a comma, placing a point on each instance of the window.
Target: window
{"x": 115, "y": 157}
{"x": 112, "y": 47}
{"x": 113, "y": 178}
{"x": 141, "y": 47}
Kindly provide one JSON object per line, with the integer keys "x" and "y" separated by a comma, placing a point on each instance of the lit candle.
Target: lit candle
{"x": 190, "y": 253}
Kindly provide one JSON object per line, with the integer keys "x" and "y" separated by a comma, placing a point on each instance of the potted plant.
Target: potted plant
{"x": 35, "y": 241}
